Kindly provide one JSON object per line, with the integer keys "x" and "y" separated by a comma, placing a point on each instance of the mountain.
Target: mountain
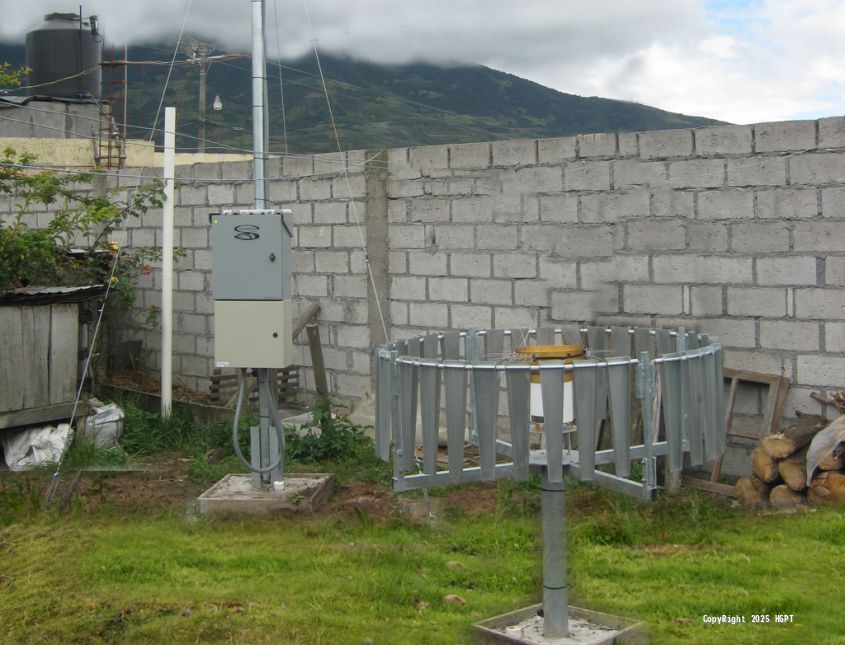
{"x": 374, "y": 105}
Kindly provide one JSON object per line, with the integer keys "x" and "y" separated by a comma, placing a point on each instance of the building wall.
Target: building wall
{"x": 732, "y": 230}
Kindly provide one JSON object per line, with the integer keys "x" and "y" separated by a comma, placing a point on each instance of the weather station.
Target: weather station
{"x": 252, "y": 284}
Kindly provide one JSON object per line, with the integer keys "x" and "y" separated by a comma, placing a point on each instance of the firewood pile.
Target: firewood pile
{"x": 805, "y": 463}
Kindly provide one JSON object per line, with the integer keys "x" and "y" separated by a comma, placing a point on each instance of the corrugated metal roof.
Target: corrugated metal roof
{"x": 50, "y": 295}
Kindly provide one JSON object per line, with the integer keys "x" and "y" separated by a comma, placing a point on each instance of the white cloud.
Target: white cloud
{"x": 736, "y": 60}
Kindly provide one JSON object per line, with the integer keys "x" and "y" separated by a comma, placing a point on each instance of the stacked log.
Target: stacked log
{"x": 801, "y": 464}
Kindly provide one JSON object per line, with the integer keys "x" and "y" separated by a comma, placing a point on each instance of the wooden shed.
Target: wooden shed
{"x": 43, "y": 342}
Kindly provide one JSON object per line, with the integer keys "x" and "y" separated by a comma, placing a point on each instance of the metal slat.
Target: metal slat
{"x": 455, "y": 382}
{"x": 670, "y": 381}
{"x": 663, "y": 340}
{"x": 620, "y": 338}
{"x": 519, "y": 386}
{"x": 551, "y": 387}
{"x": 689, "y": 412}
{"x": 711, "y": 442}
{"x": 383, "y": 422}
{"x": 430, "y": 404}
{"x": 720, "y": 401}
{"x": 452, "y": 345}
{"x": 408, "y": 415}
{"x": 642, "y": 341}
{"x": 495, "y": 344}
{"x": 546, "y": 336}
{"x": 693, "y": 340}
{"x": 619, "y": 377}
{"x": 486, "y": 384}
{"x": 597, "y": 342}
{"x": 584, "y": 383}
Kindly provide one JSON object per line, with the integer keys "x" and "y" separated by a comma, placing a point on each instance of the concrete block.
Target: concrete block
{"x": 765, "y": 302}
{"x": 397, "y": 211}
{"x": 281, "y": 191}
{"x": 303, "y": 261}
{"x": 707, "y": 236}
{"x": 332, "y": 261}
{"x": 245, "y": 194}
{"x": 461, "y": 186}
{"x": 330, "y": 213}
{"x": 581, "y": 242}
{"x": 823, "y": 371}
{"x": 614, "y": 206}
{"x": 832, "y": 132}
{"x": 491, "y": 292}
{"x": 629, "y": 145}
{"x": 820, "y": 304}
{"x": 513, "y": 207}
{"x": 663, "y": 144}
{"x": 189, "y": 323}
{"x": 656, "y": 235}
{"x": 314, "y": 189}
{"x": 194, "y": 238}
{"x": 555, "y": 150}
{"x": 675, "y": 203}
{"x": 834, "y": 337}
{"x": 455, "y": 236}
{"x": 193, "y": 195}
{"x": 581, "y": 306}
{"x": 697, "y": 173}
{"x": 196, "y": 366}
{"x": 586, "y": 175}
{"x": 822, "y": 168}
{"x": 817, "y": 236}
{"x": 785, "y": 135}
{"x": 789, "y": 335}
{"x": 787, "y": 271}
{"x": 726, "y": 204}
{"x": 513, "y": 318}
{"x": 315, "y": 286}
{"x": 427, "y": 263}
{"x": 689, "y": 268}
{"x": 191, "y": 280}
{"x": 314, "y": 236}
{"x": 723, "y": 140}
{"x": 472, "y": 209}
{"x": 632, "y": 173}
{"x": 397, "y": 262}
{"x": 349, "y": 286}
{"x": 733, "y": 332}
{"x": 354, "y": 336}
{"x": 542, "y": 179}
{"x": 472, "y": 265}
{"x": 408, "y": 288}
{"x": 437, "y": 187}
{"x": 469, "y": 155}
{"x": 428, "y": 158}
{"x": 515, "y": 152}
{"x": 597, "y": 145}
{"x": 757, "y": 171}
{"x": 448, "y": 289}
{"x": 834, "y": 271}
{"x": 142, "y": 237}
{"x": 300, "y": 214}
{"x": 594, "y": 275}
{"x": 399, "y": 313}
{"x": 772, "y": 362}
{"x": 406, "y": 236}
{"x": 430, "y": 210}
{"x": 760, "y": 237}
{"x": 405, "y": 188}
{"x": 495, "y": 237}
{"x": 297, "y": 165}
{"x": 221, "y": 194}
{"x": 351, "y": 187}
{"x": 429, "y": 315}
{"x": 833, "y": 202}
{"x": 652, "y": 299}
{"x": 202, "y": 259}
{"x": 787, "y": 203}
{"x": 330, "y": 162}
{"x": 531, "y": 293}
{"x": 465, "y": 316}
{"x": 706, "y": 301}
{"x": 514, "y": 265}
{"x": 560, "y": 273}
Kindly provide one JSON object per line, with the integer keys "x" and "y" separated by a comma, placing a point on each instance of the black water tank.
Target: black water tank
{"x": 63, "y": 54}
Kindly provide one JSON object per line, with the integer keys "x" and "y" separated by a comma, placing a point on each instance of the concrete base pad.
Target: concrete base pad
{"x": 234, "y": 495}
{"x": 585, "y": 628}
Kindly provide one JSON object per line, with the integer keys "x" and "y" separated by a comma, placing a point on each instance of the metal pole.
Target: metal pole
{"x": 555, "y": 588}
{"x": 167, "y": 260}
{"x": 259, "y": 81}
{"x": 203, "y": 74}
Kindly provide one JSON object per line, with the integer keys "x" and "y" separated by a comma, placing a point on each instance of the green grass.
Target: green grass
{"x": 133, "y": 578}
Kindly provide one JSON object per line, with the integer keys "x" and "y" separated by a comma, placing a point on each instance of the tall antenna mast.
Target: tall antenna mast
{"x": 259, "y": 99}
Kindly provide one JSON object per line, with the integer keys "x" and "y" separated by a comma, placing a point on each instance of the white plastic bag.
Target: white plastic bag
{"x": 105, "y": 425}
{"x": 27, "y": 449}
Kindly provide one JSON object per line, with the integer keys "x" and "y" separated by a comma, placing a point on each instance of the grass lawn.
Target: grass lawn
{"x": 124, "y": 562}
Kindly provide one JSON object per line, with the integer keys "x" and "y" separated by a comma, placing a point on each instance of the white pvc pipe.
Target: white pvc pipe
{"x": 167, "y": 261}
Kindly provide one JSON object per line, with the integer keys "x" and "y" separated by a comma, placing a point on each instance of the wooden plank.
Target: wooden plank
{"x": 42, "y": 414}
{"x": 64, "y": 336}
{"x": 304, "y": 319}
{"x": 36, "y": 343}
{"x": 11, "y": 359}
{"x": 709, "y": 486}
{"x": 320, "y": 382}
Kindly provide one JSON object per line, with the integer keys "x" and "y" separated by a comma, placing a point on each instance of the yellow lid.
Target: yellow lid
{"x": 548, "y": 352}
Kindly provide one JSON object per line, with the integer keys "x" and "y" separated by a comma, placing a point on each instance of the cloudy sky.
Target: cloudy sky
{"x": 742, "y": 61}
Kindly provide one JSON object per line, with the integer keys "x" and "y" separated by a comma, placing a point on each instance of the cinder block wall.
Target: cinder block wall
{"x": 732, "y": 230}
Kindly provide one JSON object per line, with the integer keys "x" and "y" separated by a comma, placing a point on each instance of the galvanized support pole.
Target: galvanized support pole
{"x": 259, "y": 91}
{"x": 473, "y": 355}
{"x": 645, "y": 392}
{"x": 555, "y": 588}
